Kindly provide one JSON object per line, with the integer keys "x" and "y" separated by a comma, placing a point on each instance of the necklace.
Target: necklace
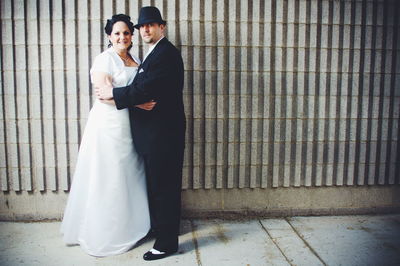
{"x": 125, "y": 59}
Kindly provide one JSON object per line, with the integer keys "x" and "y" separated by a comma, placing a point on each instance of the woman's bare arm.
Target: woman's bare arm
{"x": 100, "y": 79}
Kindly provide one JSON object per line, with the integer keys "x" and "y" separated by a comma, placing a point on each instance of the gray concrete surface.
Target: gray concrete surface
{"x": 323, "y": 240}
{"x": 232, "y": 203}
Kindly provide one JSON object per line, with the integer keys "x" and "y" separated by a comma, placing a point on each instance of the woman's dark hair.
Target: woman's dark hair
{"x": 114, "y": 19}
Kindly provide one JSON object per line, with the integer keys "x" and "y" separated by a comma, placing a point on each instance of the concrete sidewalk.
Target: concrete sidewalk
{"x": 324, "y": 240}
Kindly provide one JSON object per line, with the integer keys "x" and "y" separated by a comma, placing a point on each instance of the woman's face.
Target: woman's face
{"x": 121, "y": 36}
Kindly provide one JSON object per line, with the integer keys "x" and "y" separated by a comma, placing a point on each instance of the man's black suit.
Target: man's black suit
{"x": 159, "y": 136}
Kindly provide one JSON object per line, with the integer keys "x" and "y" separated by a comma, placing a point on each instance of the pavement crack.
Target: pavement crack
{"x": 276, "y": 244}
{"x": 305, "y": 242}
{"x": 195, "y": 242}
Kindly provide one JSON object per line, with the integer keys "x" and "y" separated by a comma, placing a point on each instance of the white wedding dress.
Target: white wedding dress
{"x": 107, "y": 210}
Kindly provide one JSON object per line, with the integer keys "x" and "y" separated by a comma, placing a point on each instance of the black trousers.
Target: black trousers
{"x": 164, "y": 184}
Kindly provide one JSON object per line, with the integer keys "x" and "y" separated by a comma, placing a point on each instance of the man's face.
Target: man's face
{"x": 151, "y": 32}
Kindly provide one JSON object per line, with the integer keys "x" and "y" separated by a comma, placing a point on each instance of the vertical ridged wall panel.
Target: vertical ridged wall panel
{"x": 277, "y": 93}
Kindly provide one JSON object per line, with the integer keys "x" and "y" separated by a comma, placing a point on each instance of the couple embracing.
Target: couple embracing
{"x": 127, "y": 181}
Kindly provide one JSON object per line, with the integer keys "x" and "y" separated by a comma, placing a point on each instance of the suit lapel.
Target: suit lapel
{"x": 154, "y": 52}
{"x": 157, "y": 48}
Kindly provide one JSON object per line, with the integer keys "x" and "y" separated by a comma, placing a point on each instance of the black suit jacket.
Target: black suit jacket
{"x": 159, "y": 78}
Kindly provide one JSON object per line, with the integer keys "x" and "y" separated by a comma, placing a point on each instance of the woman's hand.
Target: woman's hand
{"x": 147, "y": 106}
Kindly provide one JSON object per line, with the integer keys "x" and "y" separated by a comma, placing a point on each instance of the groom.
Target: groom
{"x": 158, "y": 135}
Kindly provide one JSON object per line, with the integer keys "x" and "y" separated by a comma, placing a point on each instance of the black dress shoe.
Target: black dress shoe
{"x": 151, "y": 256}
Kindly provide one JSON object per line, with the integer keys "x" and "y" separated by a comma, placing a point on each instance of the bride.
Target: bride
{"x": 107, "y": 209}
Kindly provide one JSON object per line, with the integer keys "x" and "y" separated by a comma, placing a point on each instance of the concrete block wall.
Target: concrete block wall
{"x": 279, "y": 95}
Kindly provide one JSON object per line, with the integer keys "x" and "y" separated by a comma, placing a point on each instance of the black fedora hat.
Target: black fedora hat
{"x": 149, "y": 14}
